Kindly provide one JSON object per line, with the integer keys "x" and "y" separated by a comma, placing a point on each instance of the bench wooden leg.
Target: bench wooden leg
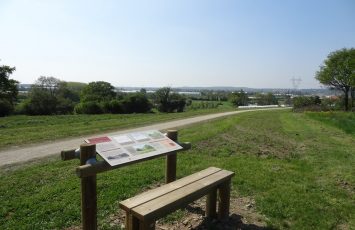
{"x": 132, "y": 223}
{"x": 224, "y": 200}
{"x": 147, "y": 225}
{"x": 211, "y": 203}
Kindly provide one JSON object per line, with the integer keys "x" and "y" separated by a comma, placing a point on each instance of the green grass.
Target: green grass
{"x": 20, "y": 130}
{"x": 341, "y": 120}
{"x": 201, "y": 104}
{"x": 299, "y": 170}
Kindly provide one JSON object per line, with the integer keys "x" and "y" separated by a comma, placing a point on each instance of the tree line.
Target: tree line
{"x": 49, "y": 96}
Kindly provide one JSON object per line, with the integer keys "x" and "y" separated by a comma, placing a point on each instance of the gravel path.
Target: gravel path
{"x": 23, "y": 154}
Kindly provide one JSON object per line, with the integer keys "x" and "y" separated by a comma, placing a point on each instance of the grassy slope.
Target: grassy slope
{"x": 19, "y": 130}
{"x": 299, "y": 170}
{"x": 341, "y": 120}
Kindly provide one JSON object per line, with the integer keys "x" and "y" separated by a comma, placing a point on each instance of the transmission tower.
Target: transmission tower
{"x": 296, "y": 82}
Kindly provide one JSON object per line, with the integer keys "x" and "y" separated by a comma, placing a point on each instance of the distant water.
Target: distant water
{"x": 153, "y": 91}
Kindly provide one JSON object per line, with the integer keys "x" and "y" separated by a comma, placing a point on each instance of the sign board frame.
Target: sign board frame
{"x": 125, "y": 148}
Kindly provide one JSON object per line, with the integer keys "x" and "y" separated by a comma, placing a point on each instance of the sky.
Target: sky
{"x": 249, "y": 43}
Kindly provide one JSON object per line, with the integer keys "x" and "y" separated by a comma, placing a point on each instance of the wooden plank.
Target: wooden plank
{"x": 160, "y": 191}
{"x": 169, "y": 202}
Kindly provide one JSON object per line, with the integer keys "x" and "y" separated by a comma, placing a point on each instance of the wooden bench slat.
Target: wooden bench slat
{"x": 175, "y": 199}
{"x": 160, "y": 191}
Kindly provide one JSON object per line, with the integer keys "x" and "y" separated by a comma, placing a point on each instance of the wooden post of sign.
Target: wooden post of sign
{"x": 224, "y": 199}
{"x": 170, "y": 171}
{"x": 211, "y": 204}
{"x": 88, "y": 190}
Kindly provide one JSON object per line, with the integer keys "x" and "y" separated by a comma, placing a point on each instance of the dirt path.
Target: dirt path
{"x": 22, "y": 154}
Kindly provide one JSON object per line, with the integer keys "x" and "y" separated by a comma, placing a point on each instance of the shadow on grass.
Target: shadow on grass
{"x": 234, "y": 221}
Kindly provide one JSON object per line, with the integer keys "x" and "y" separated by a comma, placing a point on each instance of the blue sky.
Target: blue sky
{"x": 248, "y": 43}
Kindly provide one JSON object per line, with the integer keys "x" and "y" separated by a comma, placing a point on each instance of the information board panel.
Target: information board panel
{"x": 128, "y": 147}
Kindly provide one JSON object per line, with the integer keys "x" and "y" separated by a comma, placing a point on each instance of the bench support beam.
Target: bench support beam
{"x": 224, "y": 199}
{"x": 211, "y": 204}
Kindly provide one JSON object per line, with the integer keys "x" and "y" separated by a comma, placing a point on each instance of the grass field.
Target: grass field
{"x": 20, "y": 130}
{"x": 299, "y": 168}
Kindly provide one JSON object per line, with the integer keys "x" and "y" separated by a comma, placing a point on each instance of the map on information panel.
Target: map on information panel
{"x": 128, "y": 147}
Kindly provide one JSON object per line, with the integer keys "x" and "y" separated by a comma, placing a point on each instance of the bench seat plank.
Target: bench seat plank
{"x": 171, "y": 201}
{"x": 145, "y": 197}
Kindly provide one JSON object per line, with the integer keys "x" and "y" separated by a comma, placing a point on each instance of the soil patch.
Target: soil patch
{"x": 243, "y": 215}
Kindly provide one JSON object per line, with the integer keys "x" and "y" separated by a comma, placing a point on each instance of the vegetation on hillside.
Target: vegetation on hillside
{"x": 298, "y": 167}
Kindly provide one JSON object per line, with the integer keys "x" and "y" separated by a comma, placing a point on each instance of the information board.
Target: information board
{"x": 128, "y": 147}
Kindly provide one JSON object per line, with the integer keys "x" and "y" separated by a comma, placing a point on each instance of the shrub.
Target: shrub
{"x": 136, "y": 103}
{"x": 91, "y": 107}
{"x": 303, "y": 103}
{"x": 168, "y": 101}
{"x": 40, "y": 103}
{"x": 5, "y": 107}
{"x": 64, "y": 106}
{"x": 115, "y": 106}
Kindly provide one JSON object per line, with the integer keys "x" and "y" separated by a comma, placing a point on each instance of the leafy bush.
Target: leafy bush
{"x": 40, "y": 102}
{"x": 266, "y": 99}
{"x": 239, "y": 98}
{"x": 331, "y": 104}
{"x": 64, "y": 106}
{"x": 97, "y": 91}
{"x": 131, "y": 103}
{"x": 5, "y": 107}
{"x": 48, "y": 96}
{"x": 302, "y": 103}
{"x": 91, "y": 107}
{"x": 136, "y": 103}
{"x": 168, "y": 101}
{"x": 115, "y": 107}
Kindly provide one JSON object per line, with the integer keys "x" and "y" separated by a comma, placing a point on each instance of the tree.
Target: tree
{"x": 40, "y": 102}
{"x": 161, "y": 97}
{"x": 49, "y": 95}
{"x": 49, "y": 84}
{"x": 177, "y": 103}
{"x": 168, "y": 101}
{"x": 98, "y": 91}
{"x": 239, "y": 98}
{"x": 42, "y": 98}
{"x": 67, "y": 98}
{"x": 266, "y": 99}
{"x": 8, "y": 90}
{"x": 136, "y": 103}
{"x": 338, "y": 72}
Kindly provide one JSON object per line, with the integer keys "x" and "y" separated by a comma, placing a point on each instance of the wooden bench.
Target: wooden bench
{"x": 144, "y": 209}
